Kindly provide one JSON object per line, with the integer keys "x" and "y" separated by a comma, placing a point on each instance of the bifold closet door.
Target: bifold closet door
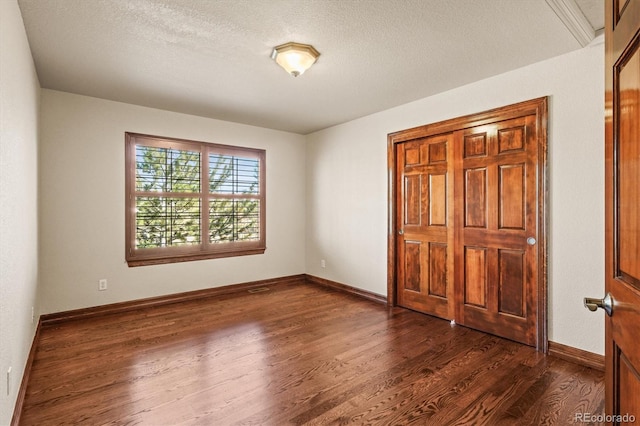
{"x": 468, "y": 227}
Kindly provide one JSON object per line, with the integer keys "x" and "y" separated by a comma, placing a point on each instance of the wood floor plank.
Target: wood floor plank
{"x": 295, "y": 354}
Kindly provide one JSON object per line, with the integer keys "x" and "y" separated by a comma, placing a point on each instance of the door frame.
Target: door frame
{"x": 539, "y": 107}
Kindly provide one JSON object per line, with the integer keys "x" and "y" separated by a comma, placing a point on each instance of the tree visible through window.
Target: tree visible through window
{"x": 192, "y": 200}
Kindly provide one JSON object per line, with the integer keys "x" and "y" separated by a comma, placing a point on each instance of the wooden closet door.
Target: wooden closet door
{"x": 496, "y": 216}
{"x": 467, "y": 225}
{"x": 425, "y": 220}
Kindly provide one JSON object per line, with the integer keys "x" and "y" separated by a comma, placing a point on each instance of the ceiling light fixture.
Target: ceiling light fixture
{"x": 295, "y": 58}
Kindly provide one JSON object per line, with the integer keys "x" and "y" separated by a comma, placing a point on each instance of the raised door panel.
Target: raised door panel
{"x": 475, "y": 276}
{"x": 412, "y": 266}
{"x": 475, "y": 145}
{"x": 628, "y": 384}
{"x": 412, "y": 200}
{"x": 438, "y": 269}
{"x": 512, "y": 287}
{"x": 475, "y": 198}
{"x": 628, "y": 230}
{"x": 437, "y": 199}
{"x": 511, "y": 196}
{"x": 625, "y": 154}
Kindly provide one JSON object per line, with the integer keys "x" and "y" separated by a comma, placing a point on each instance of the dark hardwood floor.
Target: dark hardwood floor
{"x": 296, "y": 354}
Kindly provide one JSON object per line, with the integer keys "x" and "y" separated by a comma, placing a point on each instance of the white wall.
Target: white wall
{"x": 19, "y": 103}
{"x": 82, "y": 203}
{"x": 347, "y": 185}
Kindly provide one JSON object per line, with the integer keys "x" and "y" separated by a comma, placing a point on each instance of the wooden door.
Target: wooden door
{"x": 496, "y": 234}
{"x": 425, "y": 273}
{"x": 622, "y": 203}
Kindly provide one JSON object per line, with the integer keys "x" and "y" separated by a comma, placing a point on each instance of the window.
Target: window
{"x": 189, "y": 200}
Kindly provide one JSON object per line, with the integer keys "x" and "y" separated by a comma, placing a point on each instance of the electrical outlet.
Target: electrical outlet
{"x": 8, "y": 381}
{"x": 323, "y": 263}
{"x": 33, "y": 314}
{"x": 102, "y": 285}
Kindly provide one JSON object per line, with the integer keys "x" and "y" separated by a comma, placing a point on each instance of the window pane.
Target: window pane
{"x": 233, "y": 175}
{"x": 167, "y": 170}
{"x": 169, "y": 186}
{"x": 165, "y": 222}
{"x": 234, "y": 220}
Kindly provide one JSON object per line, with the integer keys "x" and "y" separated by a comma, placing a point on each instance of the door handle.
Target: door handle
{"x": 401, "y": 232}
{"x": 606, "y": 304}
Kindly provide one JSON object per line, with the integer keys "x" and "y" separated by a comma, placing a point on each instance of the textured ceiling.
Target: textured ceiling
{"x": 212, "y": 58}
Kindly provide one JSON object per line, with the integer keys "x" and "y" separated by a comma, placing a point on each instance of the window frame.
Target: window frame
{"x": 204, "y": 249}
